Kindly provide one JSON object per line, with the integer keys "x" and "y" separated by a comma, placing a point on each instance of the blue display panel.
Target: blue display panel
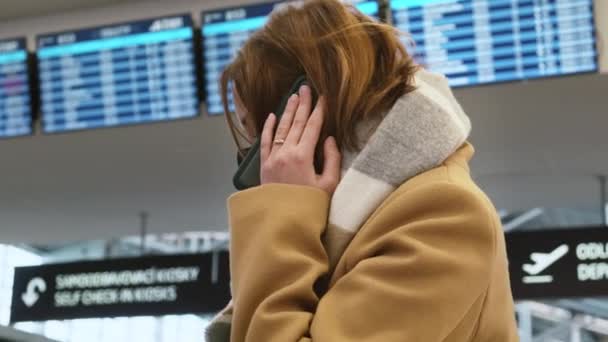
{"x": 224, "y": 31}
{"x": 15, "y": 103}
{"x": 482, "y": 41}
{"x": 121, "y": 74}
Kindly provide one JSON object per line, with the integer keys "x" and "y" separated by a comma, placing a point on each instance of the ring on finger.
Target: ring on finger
{"x": 279, "y": 141}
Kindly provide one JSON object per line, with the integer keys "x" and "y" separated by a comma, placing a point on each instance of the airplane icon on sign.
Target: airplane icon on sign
{"x": 541, "y": 262}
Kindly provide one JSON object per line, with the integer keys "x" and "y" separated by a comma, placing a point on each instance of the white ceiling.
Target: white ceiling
{"x": 14, "y": 9}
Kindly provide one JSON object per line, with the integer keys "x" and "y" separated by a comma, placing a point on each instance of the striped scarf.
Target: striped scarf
{"x": 422, "y": 129}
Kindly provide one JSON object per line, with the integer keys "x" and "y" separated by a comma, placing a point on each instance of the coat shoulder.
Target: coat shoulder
{"x": 447, "y": 191}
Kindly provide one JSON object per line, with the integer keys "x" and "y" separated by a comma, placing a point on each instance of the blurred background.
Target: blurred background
{"x": 113, "y": 143}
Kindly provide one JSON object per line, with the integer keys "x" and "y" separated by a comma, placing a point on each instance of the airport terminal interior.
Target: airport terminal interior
{"x": 116, "y": 160}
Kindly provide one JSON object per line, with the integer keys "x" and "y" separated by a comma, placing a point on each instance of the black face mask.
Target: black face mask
{"x": 248, "y": 173}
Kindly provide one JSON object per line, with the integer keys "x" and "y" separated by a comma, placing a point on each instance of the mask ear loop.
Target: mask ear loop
{"x": 241, "y": 153}
{"x": 241, "y": 138}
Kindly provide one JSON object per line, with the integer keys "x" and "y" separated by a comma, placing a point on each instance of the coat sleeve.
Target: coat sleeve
{"x": 423, "y": 266}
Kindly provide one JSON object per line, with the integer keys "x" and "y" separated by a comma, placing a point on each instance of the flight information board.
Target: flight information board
{"x": 15, "y": 104}
{"x": 224, "y": 31}
{"x": 482, "y": 41}
{"x": 121, "y": 74}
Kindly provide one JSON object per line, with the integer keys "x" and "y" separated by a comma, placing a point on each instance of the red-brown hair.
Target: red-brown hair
{"x": 358, "y": 64}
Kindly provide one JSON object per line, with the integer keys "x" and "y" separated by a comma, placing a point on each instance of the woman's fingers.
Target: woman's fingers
{"x": 312, "y": 132}
{"x": 331, "y": 164}
{"x": 301, "y": 116}
{"x": 267, "y": 138}
{"x": 287, "y": 118}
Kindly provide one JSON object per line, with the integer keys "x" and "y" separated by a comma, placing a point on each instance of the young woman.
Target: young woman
{"x": 388, "y": 240}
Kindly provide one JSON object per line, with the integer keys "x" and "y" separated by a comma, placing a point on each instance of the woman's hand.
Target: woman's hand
{"x": 288, "y": 156}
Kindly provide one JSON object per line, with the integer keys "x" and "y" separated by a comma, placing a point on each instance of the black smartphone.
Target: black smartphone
{"x": 248, "y": 173}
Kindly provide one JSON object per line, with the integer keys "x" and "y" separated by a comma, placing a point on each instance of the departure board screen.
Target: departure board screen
{"x": 15, "y": 105}
{"x": 115, "y": 75}
{"x": 226, "y": 30}
{"x": 482, "y": 41}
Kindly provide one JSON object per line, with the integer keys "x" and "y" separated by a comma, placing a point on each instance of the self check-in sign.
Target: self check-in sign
{"x": 145, "y": 286}
{"x": 559, "y": 263}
